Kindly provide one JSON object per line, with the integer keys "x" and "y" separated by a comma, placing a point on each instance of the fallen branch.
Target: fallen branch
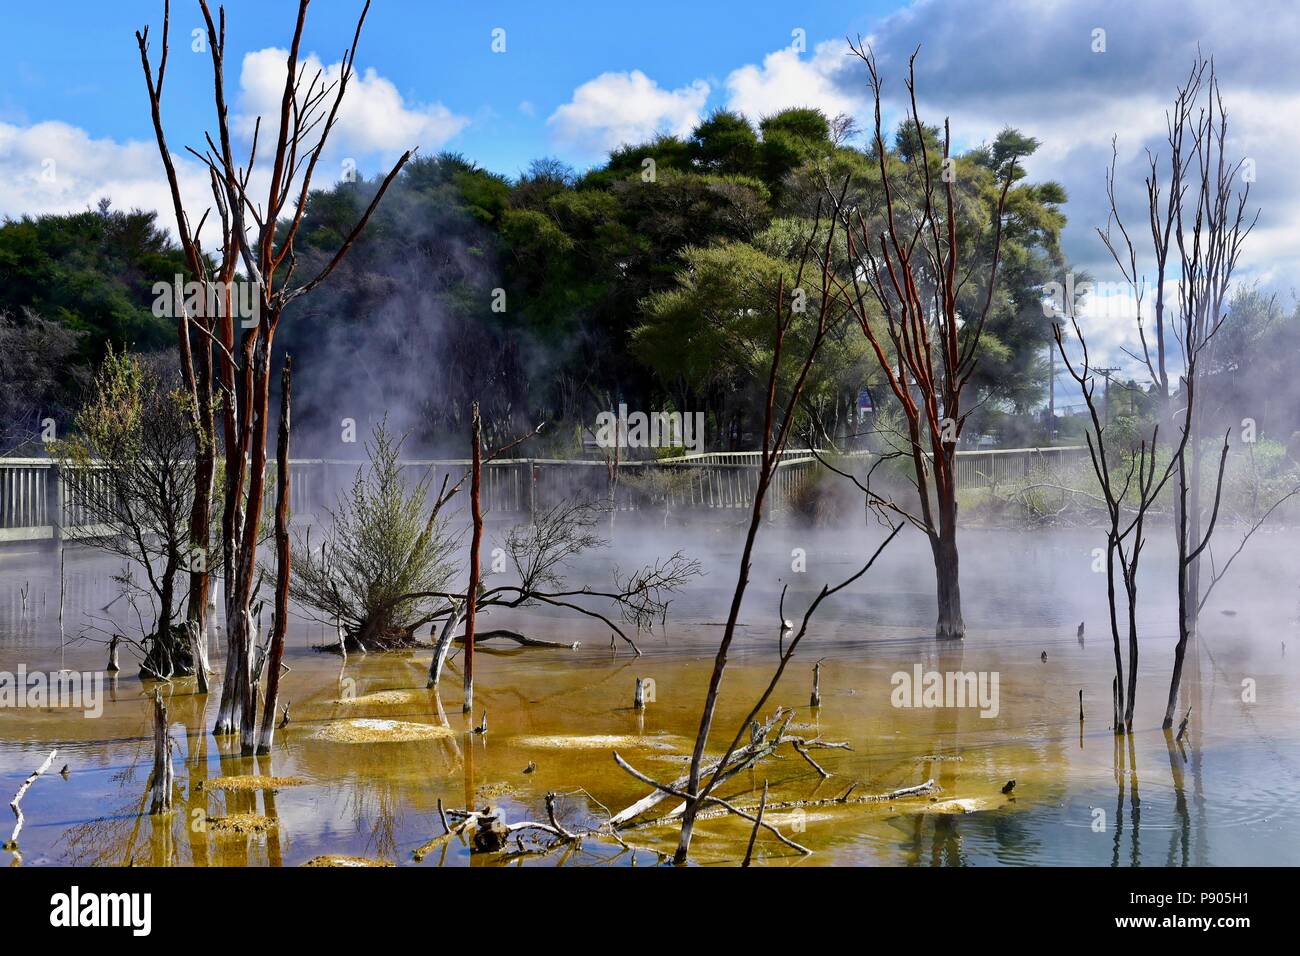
{"x": 803, "y": 752}
{"x": 739, "y": 760}
{"x": 14, "y": 805}
{"x": 753, "y": 834}
{"x": 709, "y": 798}
{"x": 508, "y": 635}
{"x": 924, "y": 789}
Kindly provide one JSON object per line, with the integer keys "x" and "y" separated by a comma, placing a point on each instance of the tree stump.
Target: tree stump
{"x": 490, "y": 832}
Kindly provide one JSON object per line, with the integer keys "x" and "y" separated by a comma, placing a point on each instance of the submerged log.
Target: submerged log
{"x": 523, "y": 640}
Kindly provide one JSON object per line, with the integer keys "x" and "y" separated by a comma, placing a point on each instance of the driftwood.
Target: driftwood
{"x": 760, "y": 746}
{"x": 764, "y": 740}
{"x": 15, "y": 804}
{"x": 489, "y": 832}
{"x": 716, "y": 801}
{"x": 844, "y": 799}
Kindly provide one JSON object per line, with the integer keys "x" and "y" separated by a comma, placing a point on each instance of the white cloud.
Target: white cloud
{"x": 788, "y": 80}
{"x": 1030, "y": 64}
{"x": 374, "y": 118}
{"x": 53, "y": 167}
{"x": 618, "y": 108}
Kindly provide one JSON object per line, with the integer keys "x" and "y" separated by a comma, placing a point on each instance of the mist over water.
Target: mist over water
{"x": 1226, "y": 794}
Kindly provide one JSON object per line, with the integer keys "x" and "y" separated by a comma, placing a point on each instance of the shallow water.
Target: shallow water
{"x": 1227, "y": 794}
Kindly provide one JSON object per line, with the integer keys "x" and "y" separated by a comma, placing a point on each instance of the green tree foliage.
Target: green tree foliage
{"x": 553, "y": 296}
{"x": 92, "y": 272}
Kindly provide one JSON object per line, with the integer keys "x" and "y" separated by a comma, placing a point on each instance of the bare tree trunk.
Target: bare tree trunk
{"x": 476, "y": 542}
{"x": 1194, "y": 517}
{"x": 949, "y": 625}
{"x": 281, "y": 622}
{"x": 265, "y": 252}
{"x": 1130, "y": 590}
{"x": 196, "y": 615}
{"x": 926, "y": 346}
{"x": 162, "y": 759}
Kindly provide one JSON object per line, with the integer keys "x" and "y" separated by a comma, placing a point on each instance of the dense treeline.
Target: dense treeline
{"x": 559, "y": 294}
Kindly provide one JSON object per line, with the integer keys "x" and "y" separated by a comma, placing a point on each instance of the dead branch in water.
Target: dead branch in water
{"x": 15, "y": 804}
{"x": 844, "y": 799}
{"x": 489, "y": 832}
{"x": 718, "y": 801}
{"x": 753, "y": 834}
{"x": 523, "y": 640}
{"x": 760, "y": 746}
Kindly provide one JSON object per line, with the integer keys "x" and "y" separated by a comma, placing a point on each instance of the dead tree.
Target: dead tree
{"x": 475, "y": 543}
{"x": 279, "y": 625}
{"x": 261, "y": 234}
{"x": 778, "y": 424}
{"x": 198, "y": 379}
{"x": 537, "y": 554}
{"x": 1124, "y": 536}
{"x": 1198, "y": 223}
{"x": 909, "y": 265}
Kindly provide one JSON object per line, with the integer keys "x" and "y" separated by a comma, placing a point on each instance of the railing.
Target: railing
{"x": 987, "y": 467}
{"x": 42, "y": 500}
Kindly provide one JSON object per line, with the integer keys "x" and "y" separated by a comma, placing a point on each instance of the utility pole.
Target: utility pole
{"x": 1105, "y": 395}
{"x": 1051, "y": 391}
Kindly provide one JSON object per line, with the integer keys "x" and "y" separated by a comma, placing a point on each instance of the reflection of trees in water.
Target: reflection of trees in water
{"x": 375, "y": 806}
{"x": 106, "y": 840}
{"x": 128, "y": 835}
{"x": 1182, "y": 834}
{"x": 376, "y": 801}
{"x": 1124, "y": 761}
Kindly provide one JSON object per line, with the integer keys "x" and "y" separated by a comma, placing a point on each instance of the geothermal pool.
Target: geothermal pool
{"x": 1227, "y": 793}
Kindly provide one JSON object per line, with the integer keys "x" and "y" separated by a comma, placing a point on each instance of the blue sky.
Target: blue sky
{"x": 579, "y": 77}
{"x": 433, "y": 52}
